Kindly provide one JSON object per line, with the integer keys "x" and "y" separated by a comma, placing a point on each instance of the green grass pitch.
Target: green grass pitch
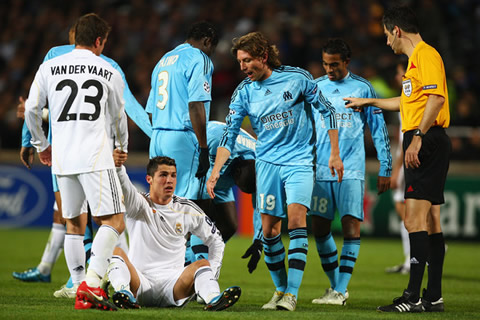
{"x": 369, "y": 287}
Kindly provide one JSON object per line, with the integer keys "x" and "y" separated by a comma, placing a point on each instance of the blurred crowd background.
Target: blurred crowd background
{"x": 143, "y": 30}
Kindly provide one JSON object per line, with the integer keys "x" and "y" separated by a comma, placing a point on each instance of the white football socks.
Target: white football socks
{"x": 75, "y": 257}
{"x": 102, "y": 250}
{"x": 206, "y": 286}
{"x": 53, "y": 249}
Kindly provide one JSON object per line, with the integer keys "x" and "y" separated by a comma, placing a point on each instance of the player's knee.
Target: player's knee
{"x": 201, "y": 263}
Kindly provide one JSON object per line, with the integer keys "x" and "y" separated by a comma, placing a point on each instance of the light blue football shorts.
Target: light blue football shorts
{"x": 346, "y": 196}
{"x": 279, "y": 185}
{"x": 182, "y": 146}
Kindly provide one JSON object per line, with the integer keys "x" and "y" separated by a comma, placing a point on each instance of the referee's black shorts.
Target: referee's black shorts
{"x": 427, "y": 182}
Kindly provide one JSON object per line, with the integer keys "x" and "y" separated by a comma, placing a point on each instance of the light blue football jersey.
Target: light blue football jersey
{"x": 351, "y": 127}
{"x": 280, "y": 111}
{"x": 181, "y": 76}
{"x": 133, "y": 109}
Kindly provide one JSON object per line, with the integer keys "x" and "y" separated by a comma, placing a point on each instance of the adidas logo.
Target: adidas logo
{"x": 410, "y": 189}
{"x": 336, "y": 91}
{"x": 414, "y": 261}
{"x": 268, "y": 92}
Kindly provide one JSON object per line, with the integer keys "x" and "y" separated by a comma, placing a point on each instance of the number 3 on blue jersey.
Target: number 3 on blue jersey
{"x": 162, "y": 89}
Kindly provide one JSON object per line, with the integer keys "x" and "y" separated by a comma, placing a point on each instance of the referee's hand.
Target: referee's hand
{"x": 411, "y": 154}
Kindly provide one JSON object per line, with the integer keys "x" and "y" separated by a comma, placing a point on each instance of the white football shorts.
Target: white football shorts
{"x": 101, "y": 189}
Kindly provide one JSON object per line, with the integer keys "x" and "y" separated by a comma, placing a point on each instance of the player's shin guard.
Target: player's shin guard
{"x": 75, "y": 257}
{"x": 199, "y": 249}
{"x": 350, "y": 249}
{"x": 275, "y": 260}
{"x": 205, "y": 284}
{"x": 118, "y": 274}
{"x": 327, "y": 250}
{"x": 102, "y": 250}
{"x": 418, "y": 259}
{"x": 297, "y": 258}
{"x": 53, "y": 249}
{"x": 436, "y": 256}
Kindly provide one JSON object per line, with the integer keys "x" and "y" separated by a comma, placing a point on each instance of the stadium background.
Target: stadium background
{"x": 144, "y": 30}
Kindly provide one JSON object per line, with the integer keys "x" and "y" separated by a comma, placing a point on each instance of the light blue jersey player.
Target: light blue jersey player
{"x": 278, "y": 100}
{"x": 238, "y": 170}
{"x": 346, "y": 197}
{"x": 179, "y": 102}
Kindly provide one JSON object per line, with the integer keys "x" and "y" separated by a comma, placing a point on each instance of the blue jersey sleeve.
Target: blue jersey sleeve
{"x": 26, "y": 136}
{"x": 200, "y": 78}
{"x": 379, "y": 132}
{"x": 234, "y": 118}
{"x": 133, "y": 109}
{"x": 314, "y": 96}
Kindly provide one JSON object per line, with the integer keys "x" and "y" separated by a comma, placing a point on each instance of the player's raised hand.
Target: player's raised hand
{"x": 119, "y": 157}
{"x": 27, "y": 155}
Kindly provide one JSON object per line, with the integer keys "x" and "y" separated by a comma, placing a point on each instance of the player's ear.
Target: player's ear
{"x": 149, "y": 179}
{"x": 207, "y": 42}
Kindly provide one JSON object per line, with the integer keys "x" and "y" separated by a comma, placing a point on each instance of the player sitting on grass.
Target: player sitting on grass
{"x": 158, "y": 222}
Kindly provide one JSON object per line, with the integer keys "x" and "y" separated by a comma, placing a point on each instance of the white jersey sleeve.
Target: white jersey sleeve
{"x": 36, "y": 100}
{"x": 117, "y": 114}
{"x": 205, "y": 229}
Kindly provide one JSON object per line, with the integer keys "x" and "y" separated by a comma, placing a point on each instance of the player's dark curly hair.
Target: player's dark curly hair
{"x": 256, "y": 44}
{"x": 203, "y": 29}
{"x": 401, "y": 16}
{"x": 338, "y": 46}
{"x": 88, "y": 28}
{"x": 153, "y": 164}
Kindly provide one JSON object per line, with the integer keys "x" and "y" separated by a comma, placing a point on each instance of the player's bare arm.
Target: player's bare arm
{"x": 335, "y": 163}
{"x": 222, "y": 156}
{"x": 357, "y": 104}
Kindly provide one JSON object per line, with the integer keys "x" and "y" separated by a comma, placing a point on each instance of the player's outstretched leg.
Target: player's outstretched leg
{"x": 224, "y": 300}
{"x": 275, "y": 261}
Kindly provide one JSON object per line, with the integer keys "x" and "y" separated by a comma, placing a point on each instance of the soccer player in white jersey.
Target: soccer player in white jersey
{"x": 54, "y": 246}
{"x": 179, "y": 102}
{"x": 346, "y": 197}
{"x": 158, "y": 223}
{"x": 278, "y": 100}
{"x": 87, "y": 115}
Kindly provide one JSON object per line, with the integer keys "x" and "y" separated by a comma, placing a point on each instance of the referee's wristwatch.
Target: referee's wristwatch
{"x": 419, "y": 133}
